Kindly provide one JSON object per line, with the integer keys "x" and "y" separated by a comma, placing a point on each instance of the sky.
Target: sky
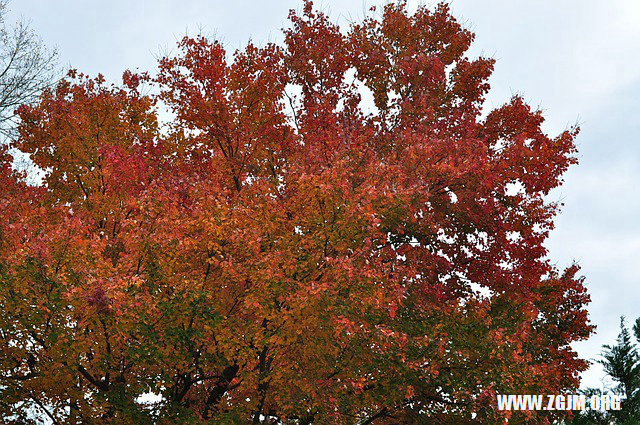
{"x": 577, "y": 60}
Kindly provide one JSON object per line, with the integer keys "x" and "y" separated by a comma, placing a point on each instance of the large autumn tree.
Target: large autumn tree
{"x": 276, "y": 252}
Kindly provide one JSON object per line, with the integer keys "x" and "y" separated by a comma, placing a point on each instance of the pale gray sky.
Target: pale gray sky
{"x": 576, "y": 59}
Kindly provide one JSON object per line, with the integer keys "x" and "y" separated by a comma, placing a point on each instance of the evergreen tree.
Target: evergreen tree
{"x": 621, "y": 362}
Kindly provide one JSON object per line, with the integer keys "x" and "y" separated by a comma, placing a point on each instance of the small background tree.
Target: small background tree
{"x": 621, "y": 362}
{"x": 26, "y": 68}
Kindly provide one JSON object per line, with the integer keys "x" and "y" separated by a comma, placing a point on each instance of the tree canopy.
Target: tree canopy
{"x": 276, "y": 252}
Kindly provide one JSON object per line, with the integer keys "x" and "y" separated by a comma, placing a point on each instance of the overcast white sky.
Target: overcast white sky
{"x": 576, "y": 59}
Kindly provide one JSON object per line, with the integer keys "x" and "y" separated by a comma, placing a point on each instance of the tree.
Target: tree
{"x": 26, "y": 68}
{"x": 621, "y": 363}
{"x": 268, "y": 257}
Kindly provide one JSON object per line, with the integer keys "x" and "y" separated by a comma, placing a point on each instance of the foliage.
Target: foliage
{"x": 271, "y": 257}
{"x": 621, "y": 363}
